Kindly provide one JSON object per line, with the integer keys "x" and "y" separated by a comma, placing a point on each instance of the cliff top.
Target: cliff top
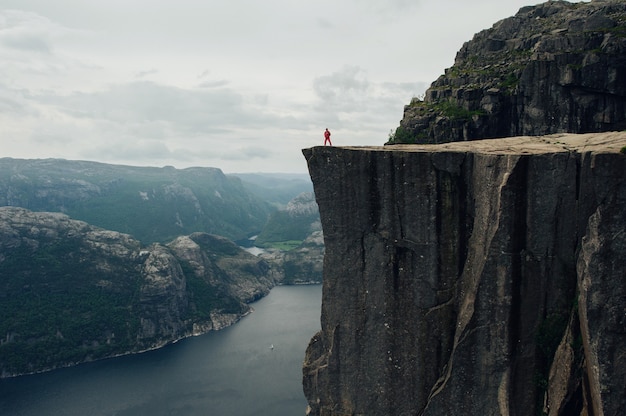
{"x": 610, "y": 142}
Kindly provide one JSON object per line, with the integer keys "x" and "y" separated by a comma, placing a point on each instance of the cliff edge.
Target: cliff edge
{"x": 471, "y": 278}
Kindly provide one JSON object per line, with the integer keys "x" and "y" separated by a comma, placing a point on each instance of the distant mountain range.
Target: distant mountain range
{"x": 152, "y": 204}
{"x": 98, "y": 260}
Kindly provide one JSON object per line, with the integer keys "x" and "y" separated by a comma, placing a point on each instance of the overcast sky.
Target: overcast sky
{"x": 241, "y": 85}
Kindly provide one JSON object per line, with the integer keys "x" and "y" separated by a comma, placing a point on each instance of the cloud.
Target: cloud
{"x": 214, "y": 84}
{"x": 35, "y": 56}
{"x": 385, "y": 10}
{"x": 150, "y": 123}
{"x": 348, "y": 94}
{"x": 29, "y": 42}
{"x": 204, "y": 74}
{"x": 12, "y": 102}
{"x": 142, "y": 74}
{"x": 30, "y": 32}
{"x": 190, "y": 110}
{"x": 142, "y": 82}
{"x": 343, "y": 89}
{"x": 247, "y": 153}
{"x": 324, "y": 23}
{"x": 25, "y": 31}
{"x": 136, "y": 149}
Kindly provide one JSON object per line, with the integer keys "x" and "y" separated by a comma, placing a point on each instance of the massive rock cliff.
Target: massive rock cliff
{"x": 472, "y": 278}
{"x": 71, "y": 292}
{"x": 554, "y": 67}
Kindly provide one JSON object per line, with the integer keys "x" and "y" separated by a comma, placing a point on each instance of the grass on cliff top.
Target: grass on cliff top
{"x": 444, "y": 108}
{"x": 284, "y": 245}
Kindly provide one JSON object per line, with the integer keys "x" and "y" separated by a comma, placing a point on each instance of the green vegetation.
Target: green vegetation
{"x": 65, "y": 300}
{"x": 56, "y": 309}
{"x": 151, "y": 204}
{"x": 276, "y": 188}
{"x": 155, "y": 209}
{"x": 216, "y": 245}
{"x": 510, "y": 82}
{"x": 284, "y": 245}
{"x": 445, "y": 108}
{"x": 550, "y": 333}
{"x": 455, "y": 112}
{"x": 623, "y": 150}
{"x": 401, "y": 135}
{"x": 618, "y": 31}
{"x": 493, "y": 66}
{"x": 548, "y": 337}
{"x": 205, "y": 298}
{"x": 283, "y": 230}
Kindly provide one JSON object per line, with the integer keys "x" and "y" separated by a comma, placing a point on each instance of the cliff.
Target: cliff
{"x": 552, "y": 68}
{"x": 71, "y": 292}
{"x": 471, "y": 278}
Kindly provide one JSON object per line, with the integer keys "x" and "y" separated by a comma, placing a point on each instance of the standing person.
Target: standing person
{"x": 327, "y": 138}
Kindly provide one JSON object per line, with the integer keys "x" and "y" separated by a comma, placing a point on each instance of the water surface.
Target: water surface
{"x": 234, "y": 371}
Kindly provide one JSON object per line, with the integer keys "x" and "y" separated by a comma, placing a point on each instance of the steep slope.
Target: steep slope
{"x": 471, "y": 278}
{"x": 554, "y": 67}
{"x": 71, "y": 292}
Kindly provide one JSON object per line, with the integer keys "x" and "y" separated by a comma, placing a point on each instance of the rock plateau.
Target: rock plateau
{"x": 472, "y": 278}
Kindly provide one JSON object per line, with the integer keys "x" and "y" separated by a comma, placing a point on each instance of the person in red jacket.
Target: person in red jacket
{"x": 327, "y": 138}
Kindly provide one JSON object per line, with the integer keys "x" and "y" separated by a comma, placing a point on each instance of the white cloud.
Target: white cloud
{"x": 241, "y": 85}
{"x": 26, "y": 31}
{"x": 342, "y": 88}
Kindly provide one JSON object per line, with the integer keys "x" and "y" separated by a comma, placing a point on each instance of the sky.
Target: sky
{"x": 240, "y": 85}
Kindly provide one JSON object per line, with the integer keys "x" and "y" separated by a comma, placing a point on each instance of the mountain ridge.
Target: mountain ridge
{"x": 153, "y": 204}
{"x": 72, "y": 292}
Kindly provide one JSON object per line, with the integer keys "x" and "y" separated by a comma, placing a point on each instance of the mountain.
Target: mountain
{"x": 552, "y": 68}
{"x": 98, "y": 260}
{"x": 292, "y": 224}
{"x": 151, "y": 204}
{"x": 71, "y": 292}
{"x": 293, "y": 240}
{"x": 276, "y": 188}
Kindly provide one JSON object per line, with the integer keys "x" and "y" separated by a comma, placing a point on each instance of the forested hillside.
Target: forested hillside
{"x": 151, "y": 204}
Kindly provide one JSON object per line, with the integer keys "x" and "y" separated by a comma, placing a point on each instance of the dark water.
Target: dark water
{"x": 229, "y": 372}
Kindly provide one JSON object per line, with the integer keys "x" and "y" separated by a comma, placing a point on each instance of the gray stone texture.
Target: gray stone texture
{"x": 552, "y": 68}
{"x": 471, "y": 278}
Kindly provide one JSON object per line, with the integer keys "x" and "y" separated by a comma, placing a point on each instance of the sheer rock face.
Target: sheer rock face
{"x": 554, "y": 67}
{"x": 474, "y": 278}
